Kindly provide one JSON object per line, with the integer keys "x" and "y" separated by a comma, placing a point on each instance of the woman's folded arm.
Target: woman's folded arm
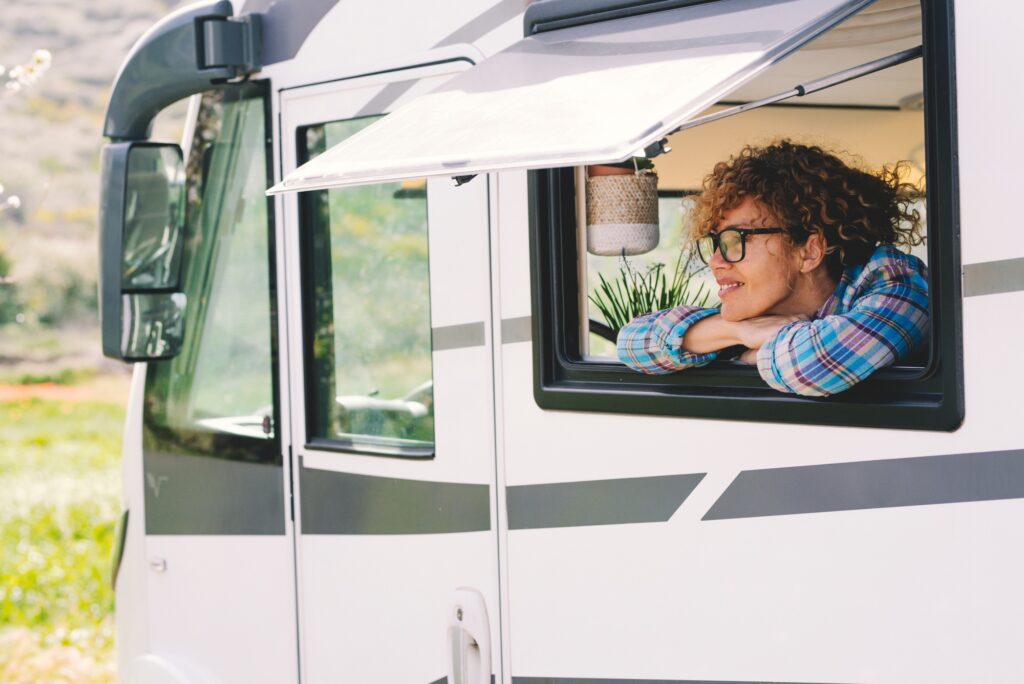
{"x": 831, "y": 354}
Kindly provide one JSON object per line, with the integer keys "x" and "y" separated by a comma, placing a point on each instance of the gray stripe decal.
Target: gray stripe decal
{"x": 516, "y": 330}
{"x": 958, "y": 478}
{"x": 204, "y": 495}
{"x": 287, "y": 24}
{"x": 485, "y": 23}
{"x": 994, "y": 277}
{"x": 346, "y": 503}
{"x": 385, "y": 98}
{"x": 458, "y": 336}
{"x": 467, "y": 33}
{"x": 581, "y": 680}
{"x": 598, "y": 502}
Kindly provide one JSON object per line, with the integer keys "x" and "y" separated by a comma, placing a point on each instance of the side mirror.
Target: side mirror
{"x": 142, "y": 225}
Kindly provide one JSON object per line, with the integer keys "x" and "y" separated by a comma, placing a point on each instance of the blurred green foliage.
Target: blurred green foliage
{"x": 59, "y": 484}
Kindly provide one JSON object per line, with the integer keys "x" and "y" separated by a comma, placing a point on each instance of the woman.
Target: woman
{"x": 803, "y": 248}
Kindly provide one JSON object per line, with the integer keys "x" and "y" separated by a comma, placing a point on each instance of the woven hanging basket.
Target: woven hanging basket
{"x": 622, "y": 214}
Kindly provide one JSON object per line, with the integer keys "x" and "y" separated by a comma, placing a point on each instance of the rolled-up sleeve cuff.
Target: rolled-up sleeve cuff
{"x": 653, "y": 343}
{"x": 766, "y": 365}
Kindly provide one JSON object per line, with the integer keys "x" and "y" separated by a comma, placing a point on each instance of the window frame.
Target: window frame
{"x": 307, "y": 204}
{"x": 902, "y": 397}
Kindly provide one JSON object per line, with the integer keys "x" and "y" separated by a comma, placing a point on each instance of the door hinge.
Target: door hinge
{"x": 232, "y": 42}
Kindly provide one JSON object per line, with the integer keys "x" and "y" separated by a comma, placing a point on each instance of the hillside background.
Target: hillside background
{"x": 50, "y": 138}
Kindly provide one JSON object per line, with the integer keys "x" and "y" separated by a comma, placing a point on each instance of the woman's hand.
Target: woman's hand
{"x": 754, "y": 332}
{"x": 714, "y": 333}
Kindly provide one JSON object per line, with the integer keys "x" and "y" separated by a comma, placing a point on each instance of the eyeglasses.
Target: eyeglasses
{"x": 732, "y": 242}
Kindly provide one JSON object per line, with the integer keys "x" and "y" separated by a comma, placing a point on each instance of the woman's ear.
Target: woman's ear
{"x": 812, "y": 253}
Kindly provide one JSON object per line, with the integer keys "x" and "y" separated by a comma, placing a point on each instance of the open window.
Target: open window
{"x": 612, "y": 81}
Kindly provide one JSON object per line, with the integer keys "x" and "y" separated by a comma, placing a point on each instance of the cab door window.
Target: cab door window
{"x": 367, "y": 299}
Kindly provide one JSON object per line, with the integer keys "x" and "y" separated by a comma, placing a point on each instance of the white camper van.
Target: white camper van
{"x": 377, "y": 432}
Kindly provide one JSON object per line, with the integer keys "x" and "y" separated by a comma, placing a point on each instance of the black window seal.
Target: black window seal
{"x": 898, "y": 397}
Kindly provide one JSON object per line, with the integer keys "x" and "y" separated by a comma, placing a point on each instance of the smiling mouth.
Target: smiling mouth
{"x": 726, "y": 288}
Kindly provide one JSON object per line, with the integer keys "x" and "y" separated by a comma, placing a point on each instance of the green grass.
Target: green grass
{"x": 62, "y": 376}
{"x": 59, "y": 483}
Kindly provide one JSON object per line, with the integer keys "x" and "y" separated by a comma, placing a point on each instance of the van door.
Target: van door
{"x": 217, "y": 596}
{"x": 391, "y": 406}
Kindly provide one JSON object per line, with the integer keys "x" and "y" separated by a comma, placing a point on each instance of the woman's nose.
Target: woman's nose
{"x": 717, "y": 260}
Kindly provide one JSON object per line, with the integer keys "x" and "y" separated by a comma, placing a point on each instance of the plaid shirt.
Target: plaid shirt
{"x": 877, "y": 315}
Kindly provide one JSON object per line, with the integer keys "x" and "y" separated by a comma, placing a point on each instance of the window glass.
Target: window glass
{"x": 368, "y": 302}
{"x": 221, "y": 383}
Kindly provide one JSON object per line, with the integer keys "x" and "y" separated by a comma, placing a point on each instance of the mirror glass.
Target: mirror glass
{"x": 153, "y": 325}
{"x": 154, "y": 217}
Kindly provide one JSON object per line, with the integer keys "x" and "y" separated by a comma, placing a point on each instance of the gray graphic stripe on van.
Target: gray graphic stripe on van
{"x": 385, "y": 98}
{"x": 458, "y": 336}
{"x": 287, "y": 24}
{"x": 598, "y": 502}
{"x": 516, "y": 330}
{"x": 994, "y": 277}
{"x": 480, "y": 26}
{"x": 957, "y": 478}
{"x": 587, "y": 680}
{"x": 347, "y": 503}
{"x": 202, "y": 495}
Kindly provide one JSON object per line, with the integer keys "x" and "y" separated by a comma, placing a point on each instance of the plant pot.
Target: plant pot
{"x": 608, "y": 170}
{"x": 622, "y": 212}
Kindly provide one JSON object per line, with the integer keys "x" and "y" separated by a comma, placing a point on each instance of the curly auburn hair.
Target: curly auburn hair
{"x": 808, "y": 190}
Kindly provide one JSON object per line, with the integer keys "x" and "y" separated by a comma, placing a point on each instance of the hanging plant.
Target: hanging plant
{"x": 622, "y": 208}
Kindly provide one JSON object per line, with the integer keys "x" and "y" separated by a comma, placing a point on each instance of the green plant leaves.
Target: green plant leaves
{"x": 635, "y": 292}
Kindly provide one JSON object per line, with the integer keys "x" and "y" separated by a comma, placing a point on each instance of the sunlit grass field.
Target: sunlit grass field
{"x": 59, "y": 503}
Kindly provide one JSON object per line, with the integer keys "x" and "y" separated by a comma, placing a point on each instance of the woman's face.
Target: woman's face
{"x": 763, "y": 282}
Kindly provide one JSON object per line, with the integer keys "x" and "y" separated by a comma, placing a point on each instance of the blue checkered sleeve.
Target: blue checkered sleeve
{"x": 653, "y": 343}
{"x": 882, "y": 316}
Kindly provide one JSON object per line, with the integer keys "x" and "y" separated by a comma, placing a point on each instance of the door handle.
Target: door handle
{"x": 469, "y": 638}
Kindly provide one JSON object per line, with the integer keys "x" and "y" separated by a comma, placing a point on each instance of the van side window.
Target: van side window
{"x": 901, "y": 115}
{"x": 369, "y": 374}
{"x": 217, "y": 396}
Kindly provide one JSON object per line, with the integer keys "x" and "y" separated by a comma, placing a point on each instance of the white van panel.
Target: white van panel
{"x": 375, "y": 607}
{"x": 989, "y": 106}
{"x": 245, "y": 619}
{"x": 852, "y": 596}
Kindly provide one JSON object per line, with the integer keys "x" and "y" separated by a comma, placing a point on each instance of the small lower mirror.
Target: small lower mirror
{"x": 153, "y": 326}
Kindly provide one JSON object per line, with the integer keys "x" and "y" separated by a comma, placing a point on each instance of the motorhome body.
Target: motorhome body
{"x": 500, "y": 501}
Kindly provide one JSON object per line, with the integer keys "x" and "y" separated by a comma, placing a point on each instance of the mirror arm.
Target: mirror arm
{"x": 187, "y": 52}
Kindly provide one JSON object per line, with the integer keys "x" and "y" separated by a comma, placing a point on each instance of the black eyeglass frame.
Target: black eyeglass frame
{"x": 716, "y": 241}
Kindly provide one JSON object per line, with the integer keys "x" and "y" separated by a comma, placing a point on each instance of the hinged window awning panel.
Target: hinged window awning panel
{"x": 588, "y": 94}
